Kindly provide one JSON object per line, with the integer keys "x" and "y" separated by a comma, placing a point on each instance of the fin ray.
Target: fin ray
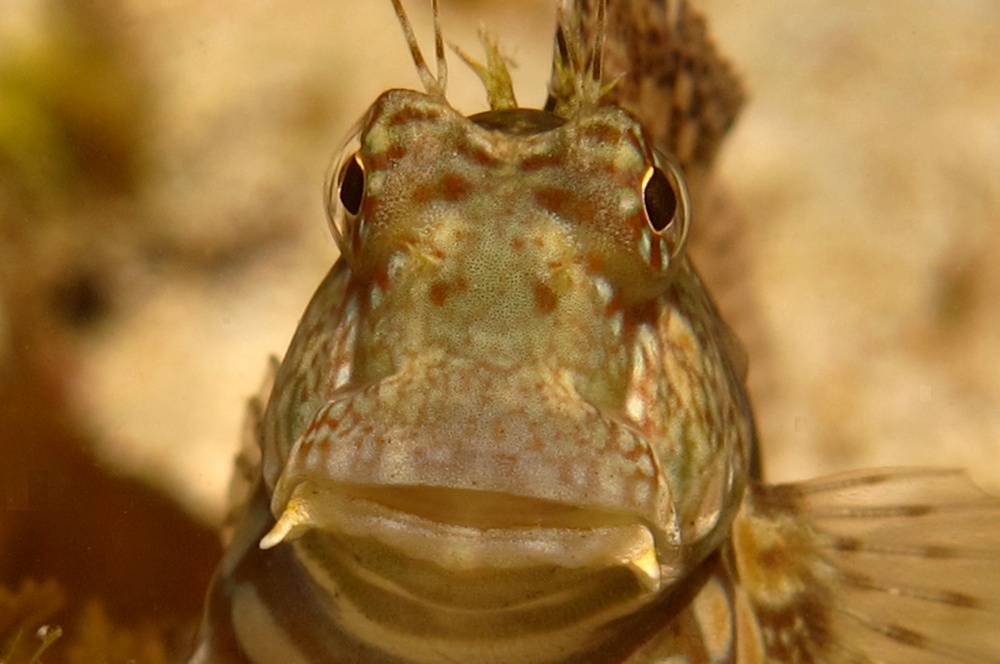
{"x": 886, "y": 567}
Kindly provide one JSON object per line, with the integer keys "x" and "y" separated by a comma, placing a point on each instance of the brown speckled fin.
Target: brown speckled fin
{"x": 888, "y": 567}
{"x": 659, "y": 63}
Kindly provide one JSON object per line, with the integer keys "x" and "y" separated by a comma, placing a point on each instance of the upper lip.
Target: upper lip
{"x": 464, "y": 528}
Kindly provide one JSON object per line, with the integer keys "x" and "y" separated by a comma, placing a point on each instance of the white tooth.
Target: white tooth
{"x": 293, "y": 522}
{"x": 646, "y": 568}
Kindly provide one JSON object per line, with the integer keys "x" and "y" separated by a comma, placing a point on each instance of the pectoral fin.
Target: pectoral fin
{"x": 892, "y": 566}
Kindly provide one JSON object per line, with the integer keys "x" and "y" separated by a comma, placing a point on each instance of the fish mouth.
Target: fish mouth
{"x": 419, "y": 570}
{"x": 466, "y": 529}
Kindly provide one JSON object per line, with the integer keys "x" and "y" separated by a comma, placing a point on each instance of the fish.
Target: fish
{"x": 513, "y": 427}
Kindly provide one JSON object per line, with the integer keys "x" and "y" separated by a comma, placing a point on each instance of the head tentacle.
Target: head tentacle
{"x": 435, "y": 86}
{"x": 495, "y": 74}
{"x": 577, "y": 67}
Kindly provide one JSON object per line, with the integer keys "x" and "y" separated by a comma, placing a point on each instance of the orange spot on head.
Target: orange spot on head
{"x": 546, "y": 299}
{"x": 476, "y": 155}
{"x": 451, "y": 187}
{"x": 395, "y": 152}
{"x": 454, "y": 187}
{"x": 422, "y": 194}
{"x": 539, "y": 161}
{"x": 593, "y": 262}
{"x": 564, "y": 203}
{"x": 409, "y": 114}
{"x": 553, "y": 199}
{"x": 380, "y": 161}
{"x": 439, "y": 292}
{"x": 602, "y": 133}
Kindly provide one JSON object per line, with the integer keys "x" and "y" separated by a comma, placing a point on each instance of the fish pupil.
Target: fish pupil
{"x": 352, "y": 185}
{"x": 660, "y": 200}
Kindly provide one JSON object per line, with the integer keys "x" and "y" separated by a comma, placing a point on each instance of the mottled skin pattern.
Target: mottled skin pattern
{"x": 511, "y": 427}
{"x": 503, "y": 335}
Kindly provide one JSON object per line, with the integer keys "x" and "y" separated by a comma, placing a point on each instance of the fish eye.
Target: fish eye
{"x": 345, "y": 194}
{"x": 667, "y": 206}
{"x": 352, "y": 185}
{"x": 660, "y": 199}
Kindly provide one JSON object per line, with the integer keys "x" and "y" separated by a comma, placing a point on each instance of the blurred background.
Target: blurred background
{"x": 162, "y": 228}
